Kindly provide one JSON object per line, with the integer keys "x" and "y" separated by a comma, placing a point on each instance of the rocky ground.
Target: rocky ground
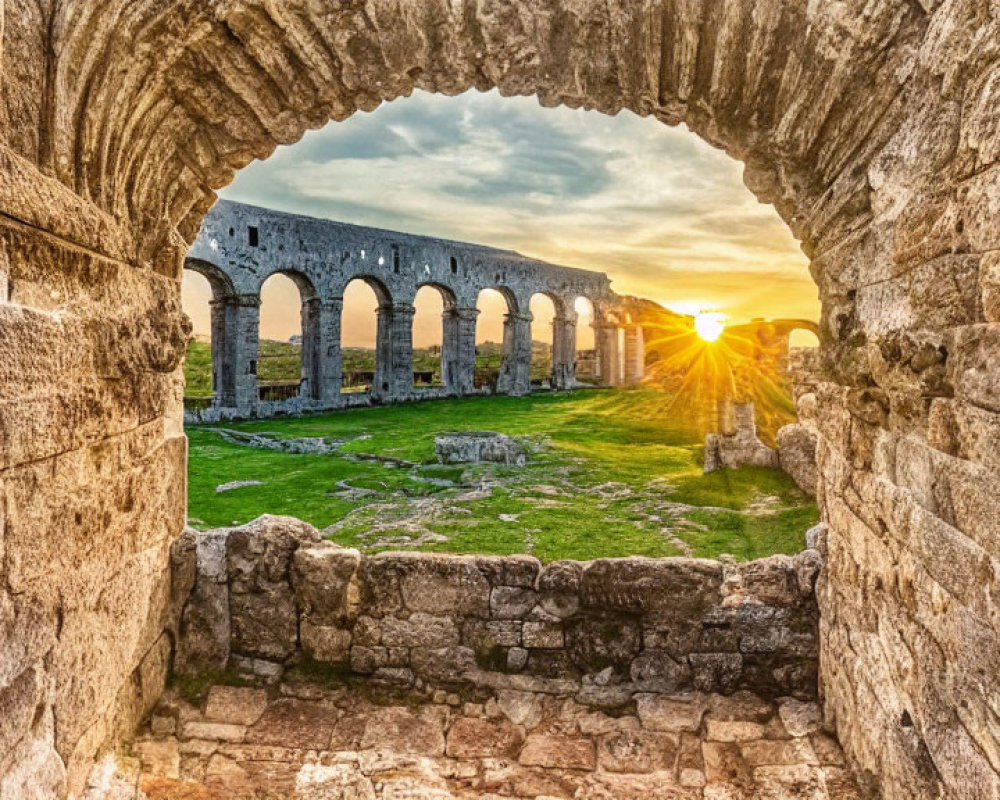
{"x": 305, "y": 741}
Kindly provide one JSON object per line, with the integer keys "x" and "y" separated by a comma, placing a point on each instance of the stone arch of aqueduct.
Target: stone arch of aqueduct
{"x": 872, "y": 126}
{"x": 239, "y": 247}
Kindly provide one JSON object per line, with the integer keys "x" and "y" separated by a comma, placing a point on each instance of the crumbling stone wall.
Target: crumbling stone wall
{"x": 271, "y": 593}
{"x": 736, "y": 444}
{"x": 872, "y": 128}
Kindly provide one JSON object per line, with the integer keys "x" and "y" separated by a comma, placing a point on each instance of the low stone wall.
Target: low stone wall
{"x": 271, "y": 593}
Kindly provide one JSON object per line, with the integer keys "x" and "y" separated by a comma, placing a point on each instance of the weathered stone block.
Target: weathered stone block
{"x": 544, "y": 635}
{"x": 672, "y": 588}
{"x": 263, "y": 614}
{"x": 656, "y": 671}
{"x": 433, "y": 584}
{"x": 797, "y": 455}
{"x": 596, "y": 644}
{"x": 400, "y": 730}
{"x": 470, "y": 447}
{"x": 445, "y": 664}
{"x": 419, "y": 630}
{"x": 637, "y": 751}
{"x": 674, "y": 713}
{"x": 235, "y": 705}
{"x": 559, "y": 588}
{"x": 560, "y": 752}
{"x": 324, "y": 579}
{"x": 510, "y": 602}
{"x": 325, "y": 643}
{"x": 471, "y": 737}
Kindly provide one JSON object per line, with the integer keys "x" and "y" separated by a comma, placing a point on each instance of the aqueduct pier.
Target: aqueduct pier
{"x": 240, "y": 246}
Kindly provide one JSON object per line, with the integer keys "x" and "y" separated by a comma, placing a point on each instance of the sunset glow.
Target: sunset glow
{"x": 709, "y": 326}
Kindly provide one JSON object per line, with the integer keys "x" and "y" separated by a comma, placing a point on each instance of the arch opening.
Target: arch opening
{"x": 585, "y": 365}
{"x": 286, "y": 364}
{"x": 435, "y": 337}
{"x": 544, "y": 310}
{"x": 359, "y": 333}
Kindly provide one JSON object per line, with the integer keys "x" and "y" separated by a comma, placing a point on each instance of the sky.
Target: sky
{"x": 659, "y": 210}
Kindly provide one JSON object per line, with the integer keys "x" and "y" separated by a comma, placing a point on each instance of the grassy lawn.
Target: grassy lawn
{"x": 610, "y": 475}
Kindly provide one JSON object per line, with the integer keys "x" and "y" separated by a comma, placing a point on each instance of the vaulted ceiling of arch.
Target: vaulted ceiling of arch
{"x": 147, "y": 106}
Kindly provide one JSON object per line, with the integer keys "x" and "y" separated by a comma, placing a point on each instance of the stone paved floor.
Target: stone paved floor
{"x": 308, "y": 743}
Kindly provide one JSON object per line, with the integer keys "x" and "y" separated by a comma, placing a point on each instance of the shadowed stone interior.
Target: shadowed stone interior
{"x": 873, "y": 129}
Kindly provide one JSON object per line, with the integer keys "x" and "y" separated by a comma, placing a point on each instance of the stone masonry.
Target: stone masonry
{"x": 873, "y": 128}
{"x": 332, "y": 740}
{"x": 271, "y": 593}
{"x": 736, "y": 444}
{"x": 239, "y": 247}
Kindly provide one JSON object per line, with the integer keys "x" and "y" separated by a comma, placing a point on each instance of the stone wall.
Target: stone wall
{"x": 736, "y": 444}
{"x": 271, "y": 593}
{"x": 92, "y": 489}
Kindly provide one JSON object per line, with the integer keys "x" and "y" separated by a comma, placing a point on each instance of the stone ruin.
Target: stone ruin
{"x": 873, "y": 129}
{"x": 239, "y": 247}
{"x": 736, "y": 444}
{"x": 473, "y": 447}
{"x": 570, "y": 679}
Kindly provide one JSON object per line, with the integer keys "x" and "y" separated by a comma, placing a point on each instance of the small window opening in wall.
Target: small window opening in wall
{"x": 454, "y": 265}
{"x": 362, "y": 255}
{"x": 385, "y": 387}
{"x": 253, "y": 367}
{"x": 381, "y": 261}
{"x": 253, "y": 236}
{"x": 395, "y": 259}
{"x": 232, "y": 231}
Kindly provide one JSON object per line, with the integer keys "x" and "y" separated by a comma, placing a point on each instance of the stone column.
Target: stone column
{"x": 515, "y": 367}
{"x": 564, "y": 351}
{"x": 608, "y": 354}
{"x": 321, "y": 360}
{"x": 243, "y": 343}
{"x": 458, "y": 349}
{"x": 394, "y": 353}
{"x": 635, "y": 355}
{"x": 331, "y": 364}
{"x": 309, "y": 387}
{"x": 223, "y": 375}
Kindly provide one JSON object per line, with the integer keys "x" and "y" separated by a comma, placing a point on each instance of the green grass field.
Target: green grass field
{"x": 613, "y": 473}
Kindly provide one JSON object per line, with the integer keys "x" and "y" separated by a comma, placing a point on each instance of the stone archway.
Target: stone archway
{"x": 871, "y": 127}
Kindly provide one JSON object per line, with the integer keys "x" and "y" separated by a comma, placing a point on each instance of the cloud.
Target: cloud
{"x": 665, "y": 214}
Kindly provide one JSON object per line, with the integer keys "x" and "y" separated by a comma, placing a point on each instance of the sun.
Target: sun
{"x": 709, "y": 326}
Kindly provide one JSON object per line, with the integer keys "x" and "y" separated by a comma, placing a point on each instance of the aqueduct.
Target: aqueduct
{"x": 239, "y": 247}
{"x": 871, "y": 125}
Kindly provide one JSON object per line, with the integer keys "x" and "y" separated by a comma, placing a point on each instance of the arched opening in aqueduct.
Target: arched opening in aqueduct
{"x": 872, "y": 130}
{"x": 359, "y": 333}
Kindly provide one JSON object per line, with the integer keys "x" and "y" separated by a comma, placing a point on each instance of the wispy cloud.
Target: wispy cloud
{"x": 663, "y": 213}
